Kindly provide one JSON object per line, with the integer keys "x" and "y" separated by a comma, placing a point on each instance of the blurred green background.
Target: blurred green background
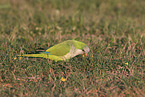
{"x": 113, "y": 29}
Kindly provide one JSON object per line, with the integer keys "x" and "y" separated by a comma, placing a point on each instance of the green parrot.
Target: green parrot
{"x": 63, "y": 51}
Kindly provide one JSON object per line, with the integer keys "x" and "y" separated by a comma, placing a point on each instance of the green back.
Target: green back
{"x": 63, "y": 48}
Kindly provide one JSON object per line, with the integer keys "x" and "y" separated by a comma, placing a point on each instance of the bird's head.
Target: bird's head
{"x": 85, "y": 51}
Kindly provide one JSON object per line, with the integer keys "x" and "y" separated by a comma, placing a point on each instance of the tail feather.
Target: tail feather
{"x": 44, "y": 55}
{"x": 36, "y": 55}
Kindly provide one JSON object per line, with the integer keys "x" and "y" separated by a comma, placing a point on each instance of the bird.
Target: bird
{"x": 63, "y": 51}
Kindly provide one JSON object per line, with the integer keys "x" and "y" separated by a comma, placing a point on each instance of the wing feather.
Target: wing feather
{"x": 63, "y": 48}
{"x": 59, "y": 49}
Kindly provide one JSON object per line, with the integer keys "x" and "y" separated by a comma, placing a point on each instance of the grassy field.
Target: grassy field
{"x": 114, "y": 30}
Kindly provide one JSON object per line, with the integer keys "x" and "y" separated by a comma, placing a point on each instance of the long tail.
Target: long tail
{"x": 44, "y": 55}
{"x": 41, "y": 55}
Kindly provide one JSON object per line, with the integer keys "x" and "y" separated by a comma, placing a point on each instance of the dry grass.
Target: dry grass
{"x": 114, "y": 31}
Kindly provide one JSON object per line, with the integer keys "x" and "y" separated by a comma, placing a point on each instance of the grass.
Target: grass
{"x": 113, "y": 29}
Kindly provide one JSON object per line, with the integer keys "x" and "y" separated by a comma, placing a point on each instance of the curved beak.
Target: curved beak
{"x": 84, "y": 55}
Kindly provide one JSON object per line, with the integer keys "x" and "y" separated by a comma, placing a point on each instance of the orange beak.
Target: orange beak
{"x": 85, "y": 54}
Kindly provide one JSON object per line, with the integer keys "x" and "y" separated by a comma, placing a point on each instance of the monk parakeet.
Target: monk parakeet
{"x": 63, "y": 51}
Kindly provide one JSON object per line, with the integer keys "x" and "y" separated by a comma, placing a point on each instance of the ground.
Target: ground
{"x": 114, "y": 30}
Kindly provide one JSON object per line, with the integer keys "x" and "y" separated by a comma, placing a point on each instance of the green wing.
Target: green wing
{"x": 60, "y": 49}
{"x": 63, "y": 48}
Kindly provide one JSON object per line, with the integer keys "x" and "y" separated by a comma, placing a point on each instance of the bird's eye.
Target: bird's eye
{"x": 83, "y": 50}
